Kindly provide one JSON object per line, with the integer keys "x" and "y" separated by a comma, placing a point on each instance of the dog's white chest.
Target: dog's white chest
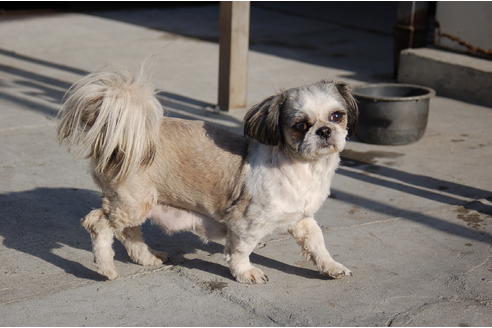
{"x": 286, "y": 191}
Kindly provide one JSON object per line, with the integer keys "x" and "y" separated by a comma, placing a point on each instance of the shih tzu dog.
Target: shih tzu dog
{"x": 190, "y": 176}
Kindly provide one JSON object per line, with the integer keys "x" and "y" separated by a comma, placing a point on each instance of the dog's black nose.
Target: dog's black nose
{"x": 324, "y": 132}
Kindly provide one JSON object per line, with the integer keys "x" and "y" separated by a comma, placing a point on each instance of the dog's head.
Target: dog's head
{"x": 307, "y": 122}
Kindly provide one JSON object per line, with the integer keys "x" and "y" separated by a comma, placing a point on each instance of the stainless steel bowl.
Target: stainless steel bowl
{"x": 392, "y": 113}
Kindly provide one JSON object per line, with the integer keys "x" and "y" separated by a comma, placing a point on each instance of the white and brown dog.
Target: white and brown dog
{"x": 190, "y": 176}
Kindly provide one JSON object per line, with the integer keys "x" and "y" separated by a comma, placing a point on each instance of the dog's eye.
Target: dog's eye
{"x": 337, "y": 117}
{"x": 301, "y": 126}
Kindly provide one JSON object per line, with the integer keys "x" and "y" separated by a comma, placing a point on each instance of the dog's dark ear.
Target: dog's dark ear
{"x": 353, "y": 111}
{"x": 262, "y": 121}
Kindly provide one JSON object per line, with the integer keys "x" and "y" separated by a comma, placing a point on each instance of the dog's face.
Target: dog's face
{"x": 308, "y": 122}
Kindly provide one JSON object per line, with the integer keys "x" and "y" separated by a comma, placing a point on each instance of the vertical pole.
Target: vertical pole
{"x": 233, "y": 56}
{"x": 410, "y": 30}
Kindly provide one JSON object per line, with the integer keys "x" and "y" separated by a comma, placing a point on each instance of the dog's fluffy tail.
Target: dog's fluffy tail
{"x": 114, "y": 119}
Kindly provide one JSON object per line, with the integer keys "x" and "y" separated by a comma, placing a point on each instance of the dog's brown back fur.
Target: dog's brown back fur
{"x": 206, "y": 169}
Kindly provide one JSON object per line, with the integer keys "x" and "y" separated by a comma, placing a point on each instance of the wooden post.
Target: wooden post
{"x": 233, "y": 56}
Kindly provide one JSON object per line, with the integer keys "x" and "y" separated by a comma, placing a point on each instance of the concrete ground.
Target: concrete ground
{"x": 412, "y": 222}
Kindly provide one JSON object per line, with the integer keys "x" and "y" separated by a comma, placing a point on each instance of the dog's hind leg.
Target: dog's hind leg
{"x": 309, "y": 236}
{"x": 139, "y": 252}
{"x": 101, "y": 233}
{"x": 127, "y": 211}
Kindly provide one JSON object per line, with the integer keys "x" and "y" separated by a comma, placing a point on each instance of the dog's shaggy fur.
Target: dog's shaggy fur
{"x": 190, "y": 176}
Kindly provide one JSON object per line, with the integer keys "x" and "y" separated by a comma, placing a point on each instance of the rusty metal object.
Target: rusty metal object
{"x": 470, "y": 47}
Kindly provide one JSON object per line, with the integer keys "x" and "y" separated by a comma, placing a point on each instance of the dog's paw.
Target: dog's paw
{"x": 335, "y": 270}
{"x": 157, "y": 258}
{"x": 109, "y": 273}
{"x": 252, "y": 276}
{"x": 152, "y": 258}
{"x": 160, "y": 255}
{"x": 150, "y": 261}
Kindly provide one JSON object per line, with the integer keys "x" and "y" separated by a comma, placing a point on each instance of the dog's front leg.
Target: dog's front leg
{"x": 309, "y": 236}
{"x": 237, "y": 251}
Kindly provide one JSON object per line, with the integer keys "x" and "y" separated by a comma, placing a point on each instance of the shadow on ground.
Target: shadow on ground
{"x": 324, "y": 34}
{"x": 38, "y": 221}
{"x": 36, "y": 86}
{"x": 442, "y": 191}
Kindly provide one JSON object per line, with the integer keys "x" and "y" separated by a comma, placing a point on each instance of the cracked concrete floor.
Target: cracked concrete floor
{"x": 412, "y": 222}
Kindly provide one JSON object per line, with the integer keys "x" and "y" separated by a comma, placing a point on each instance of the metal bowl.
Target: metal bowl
{"x": 392, "y": 113}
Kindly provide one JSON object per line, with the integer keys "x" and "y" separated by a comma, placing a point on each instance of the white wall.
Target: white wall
{"x": 469, "y": 21}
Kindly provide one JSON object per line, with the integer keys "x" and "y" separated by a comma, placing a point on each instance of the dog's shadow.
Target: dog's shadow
{"x": 38, "y": 221}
